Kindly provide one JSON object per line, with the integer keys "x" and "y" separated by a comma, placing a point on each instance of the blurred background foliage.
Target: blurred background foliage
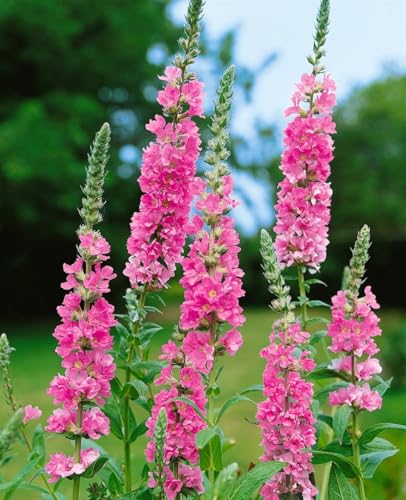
{"x": 69, "y": 66}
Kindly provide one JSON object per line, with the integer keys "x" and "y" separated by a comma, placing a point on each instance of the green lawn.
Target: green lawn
{"x": 34, "y": 363}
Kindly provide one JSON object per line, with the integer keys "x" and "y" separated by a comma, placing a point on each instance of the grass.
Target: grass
{"x": 35, "y": 363}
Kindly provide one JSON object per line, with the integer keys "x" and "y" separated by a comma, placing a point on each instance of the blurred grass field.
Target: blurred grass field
{"x": 34, "y": 363}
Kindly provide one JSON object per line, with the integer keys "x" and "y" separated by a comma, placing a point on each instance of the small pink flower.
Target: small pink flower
{"x": 232, "y": 341}
{"x": 361, "y": 397}
{"x": 31, "y": 413}
{"x": 198, "y": 350}
{"x": 60, "y": 466}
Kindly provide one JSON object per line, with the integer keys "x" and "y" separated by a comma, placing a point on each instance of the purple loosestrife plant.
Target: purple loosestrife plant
{"x": 84, "y": 333}
{"x": 158, "y": 230}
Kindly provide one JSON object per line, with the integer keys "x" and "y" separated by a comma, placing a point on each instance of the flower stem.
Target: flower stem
{"x": 212, "y": 374}
{"x": 126, "y": 417}
{"x": 302, "y": 296}
{"x": 355, "y": 435}
{"x": 78, "y": 446}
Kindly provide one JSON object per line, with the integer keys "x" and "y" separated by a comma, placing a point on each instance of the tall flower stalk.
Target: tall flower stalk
{"x": 84, "y": 332}
{"x": 304, "y": 195}
{"x": 285, "y": 417}
{"x": 168, "y": 168}
{"x": 212, "y": 283}
{"x": 212, "y": 277}
{"x": 352, "y": 330}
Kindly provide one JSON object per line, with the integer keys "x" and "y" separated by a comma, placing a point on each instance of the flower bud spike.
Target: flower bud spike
{"x": 320, "y": 36}
{"x": 5, "y": 352}
{"x": 217, "y": 147}
{"x": 272, "y": 273}
{"x": 189, "y": 43}
{"x": 359, "y": 259}
{"x": 92, "y": 202}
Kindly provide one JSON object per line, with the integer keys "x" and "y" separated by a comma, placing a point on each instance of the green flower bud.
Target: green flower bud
{"x": 92, "y": 202}
{"x": 360, "y": 257}
{"x": 273, "y": 275}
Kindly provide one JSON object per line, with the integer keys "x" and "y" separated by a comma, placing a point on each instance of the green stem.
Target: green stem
{"x": 78, "y": 446}
{"x": 355, "y": 436}
{"x": 212, "y": 374}
{"x": 356, "y": 453}
{"x": 302, "y": 295}
{"x": 126, "y": 416}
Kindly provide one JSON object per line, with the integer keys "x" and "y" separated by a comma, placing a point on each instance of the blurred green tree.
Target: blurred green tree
{"x": 66, "y": 68}
{"x": 369, "y": 184}
{"x": 368, "y": 174}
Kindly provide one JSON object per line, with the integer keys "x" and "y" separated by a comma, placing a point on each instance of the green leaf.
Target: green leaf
{"x": 370, "y": 433}
{"x": 323, "y": 393}
{"x": 204, "y": 436}
{"x": 254, "y": 479}
{"x": 383, "y": 385}
{"x": 316, "y": 320}
{"x": 315, "y": 281}
{"x": 146, "y": 370}
{"x": 326, "y": 419}
{"x": 208, "y": 442}
{"x": 225, "y": 482}
{"x": 231, "y": 402}
{"x": 94, "y": 468}
{"x": 112, "y": 411}
{"x": 317, "y": 303}
{"x": 339, "y": 488}
{"x": 115, "y": 485}
{"x": 134, "y": 389}
{"x": 317, "y": 336}
{"x": 9, "y": 486}
{"x": 345, "y": 464}
{"x": 138, "y": 431}
{"x": 122, "y": 330}
{"x": 38, "y": 445}
{"x": 116, "y": 387}
{"x": 323, "y": 373}
{"x": 253, "y": 388}
{"x": 377, "y": 444}
{"x": 340, "y": 421}
{"x": 344, "y": 449}
{"x": 371, "y": 461}
{"x": 191, "y": 403}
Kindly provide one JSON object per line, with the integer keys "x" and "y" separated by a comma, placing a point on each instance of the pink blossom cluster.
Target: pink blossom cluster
{"x": 83, "y": 341}
{"x": 213, "y": 286}
{"x": 168, "y": 168}
{"x": 285, "y": 417}
{"x": 183, "y": 422}
{"x": 212, "y": 277}
{"x": 62, "y": 466}
{"x": 352, "y": 330}
{"x": 304, "y": 195}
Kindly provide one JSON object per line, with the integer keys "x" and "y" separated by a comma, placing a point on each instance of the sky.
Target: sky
{"x": 366, "y": 38}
